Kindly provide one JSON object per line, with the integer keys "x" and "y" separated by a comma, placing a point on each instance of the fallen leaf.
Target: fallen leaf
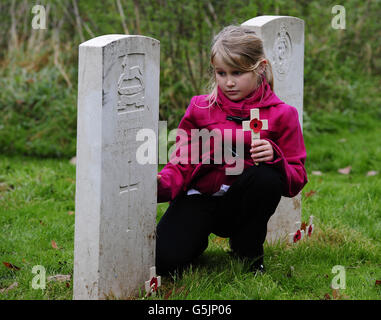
{"x": 59, "y": 277}
{"x": 310, "y": 193}
{"x": 11, "y": 266}
{"x": 70, "y": 213}
{"x": 337, "y": 295}
{"x": 54, "y": 244}
{"x": 327, "y": 296}
{"x": 6, "y": 187}
{"x": 317, "y": 173}
{"x": 67, "y": 284}
{"x": 12, "y": 286}
{"x": 378, "y": 282}
{"x": 371, "y": 173}
{"x": 345, "y": 170}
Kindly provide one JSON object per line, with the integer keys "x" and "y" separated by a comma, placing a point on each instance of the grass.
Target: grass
{"x": 37, "y": 201}
{"x": 347, "y": 219}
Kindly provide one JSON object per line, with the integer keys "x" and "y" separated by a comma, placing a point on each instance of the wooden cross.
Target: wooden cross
{"x": 298, "y": 235}
{"x": 303, "y": 230}
{"x": 255, "y": 124}
{"x": 152, "y": 284}
{"x": 310, "y": 228}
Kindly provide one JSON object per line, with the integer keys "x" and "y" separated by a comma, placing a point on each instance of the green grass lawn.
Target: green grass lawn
{"x": 37, "y": 205}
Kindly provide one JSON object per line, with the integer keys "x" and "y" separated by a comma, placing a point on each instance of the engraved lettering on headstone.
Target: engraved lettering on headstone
{"x": 131, "y": 88}
{"x": 129, "y": 180}
{"x": 282, "y": 52}
{"x": 132, "y": 184}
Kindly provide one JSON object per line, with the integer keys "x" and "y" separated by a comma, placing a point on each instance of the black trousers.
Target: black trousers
{"x": 241, "y": 214}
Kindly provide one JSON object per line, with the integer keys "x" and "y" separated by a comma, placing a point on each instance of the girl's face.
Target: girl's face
{"x": 235, "y": 84}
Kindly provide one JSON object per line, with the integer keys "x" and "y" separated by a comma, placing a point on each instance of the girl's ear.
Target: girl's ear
{"x": 262, "y": 67}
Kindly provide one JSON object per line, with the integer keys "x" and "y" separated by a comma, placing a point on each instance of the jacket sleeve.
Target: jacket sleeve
{"x": 290, "y": 153}
{"x": 178, "y": 170}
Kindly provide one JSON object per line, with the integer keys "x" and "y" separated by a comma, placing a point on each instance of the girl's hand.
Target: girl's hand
{"x": 158, "y": 178}
{"x": 261, "y": 151}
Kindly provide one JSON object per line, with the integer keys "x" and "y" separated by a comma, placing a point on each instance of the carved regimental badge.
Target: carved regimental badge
{"x": 130, "y": 87}
{"x": 282, "y": 53}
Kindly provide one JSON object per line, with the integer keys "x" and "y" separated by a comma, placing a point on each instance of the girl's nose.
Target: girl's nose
{"x": 230, "y": 83}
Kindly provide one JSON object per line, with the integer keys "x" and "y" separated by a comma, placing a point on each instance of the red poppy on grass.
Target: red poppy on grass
{"x": 256, "y": 125}
{"x": 297, "y": 236}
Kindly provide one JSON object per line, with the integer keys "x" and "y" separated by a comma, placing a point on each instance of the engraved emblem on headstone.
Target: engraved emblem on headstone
{"x": 282, "y": 52}
{"x": 130, "y": 86}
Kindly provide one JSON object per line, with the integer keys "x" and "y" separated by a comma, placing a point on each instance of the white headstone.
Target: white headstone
{"x": 118, "y": 94}
{"x": 283, "y": 41}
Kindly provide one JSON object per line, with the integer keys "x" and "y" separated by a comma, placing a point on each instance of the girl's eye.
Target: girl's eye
{"x": 235, "y": 73}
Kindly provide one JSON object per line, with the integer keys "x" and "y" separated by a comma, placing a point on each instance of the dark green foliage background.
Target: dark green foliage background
{"x": 38, "y": 69}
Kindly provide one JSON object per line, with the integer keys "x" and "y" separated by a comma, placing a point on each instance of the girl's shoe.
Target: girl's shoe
{"x": 258, "y": 267}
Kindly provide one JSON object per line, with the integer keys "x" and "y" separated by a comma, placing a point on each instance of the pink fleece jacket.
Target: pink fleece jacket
{"x": 284, "y": 133}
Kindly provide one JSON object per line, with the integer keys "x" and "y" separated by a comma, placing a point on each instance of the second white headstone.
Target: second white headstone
{"x": 283, "y": 41}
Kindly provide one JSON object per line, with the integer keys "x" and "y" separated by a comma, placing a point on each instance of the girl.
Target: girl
{"x": 204, "y": 199}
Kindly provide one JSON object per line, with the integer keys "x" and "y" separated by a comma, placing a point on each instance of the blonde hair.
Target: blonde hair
{"x": 240, "y": 48}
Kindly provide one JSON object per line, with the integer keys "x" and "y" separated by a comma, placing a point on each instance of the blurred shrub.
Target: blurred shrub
{"x": 38, "y": 113}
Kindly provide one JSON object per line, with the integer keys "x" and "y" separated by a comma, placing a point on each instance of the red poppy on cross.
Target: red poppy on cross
{"x": 298, "y": 234}
{"x": 255, "y": 125}
{"x": 310, "y": 227}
